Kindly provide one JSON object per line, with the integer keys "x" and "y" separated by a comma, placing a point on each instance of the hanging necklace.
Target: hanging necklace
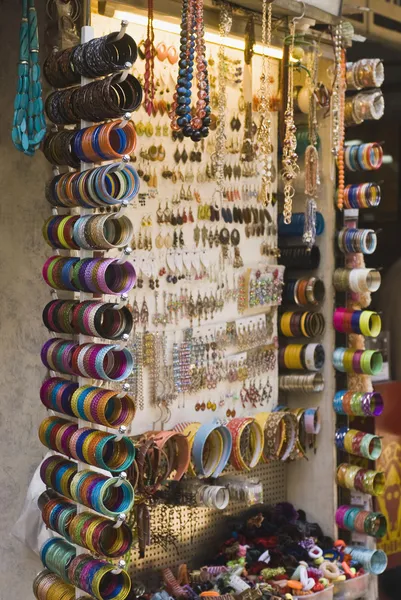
{"x": 191, "y": 43}
{"x": 264, "y": 134}
{"x": 312, "y": 180}
{"x": 219, "y": 156}
{"x": 149, "y": 79}
{"x": 290, "y": 167}
{"x": 338, "y": 102}
{"x": 29, "y": 125}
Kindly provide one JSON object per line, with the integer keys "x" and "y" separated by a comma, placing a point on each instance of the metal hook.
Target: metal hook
{"x": 126, "y": 252}
{"x": 122, "y": 430}
{"x": 295, "y": 19}
{"x": 125, "y": 388}
{"x": 120, "y": 166}
{"x": 118, "y": 36}
{"x": 120, "y": 520}
{"x": 124, "y": 121}
{"x": 121, "y": 478}
{"x": 125, "y": 73}
{"x": 121, "y": 565}
{"x": 123, "y": 302}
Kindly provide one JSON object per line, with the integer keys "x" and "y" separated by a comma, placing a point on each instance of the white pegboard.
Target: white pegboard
{"x": 208, "y": 530}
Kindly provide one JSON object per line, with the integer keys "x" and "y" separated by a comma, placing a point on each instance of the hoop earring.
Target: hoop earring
{"x": 172, "y": 55}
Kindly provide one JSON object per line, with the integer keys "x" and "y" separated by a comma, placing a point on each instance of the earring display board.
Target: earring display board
{"x": 187, "y": 261}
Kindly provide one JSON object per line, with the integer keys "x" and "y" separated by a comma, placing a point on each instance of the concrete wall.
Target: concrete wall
{"x": 22, "y": 297}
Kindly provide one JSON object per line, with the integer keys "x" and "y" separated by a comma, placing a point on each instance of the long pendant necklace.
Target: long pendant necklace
{"x": 290, "y": 167}
{"x": 149, "y": 80}
{"x": 312, "y": 179}
{"x": 29, "y": 125}
{"x": 191, "y": 43}
{"x": 264, "y": 134}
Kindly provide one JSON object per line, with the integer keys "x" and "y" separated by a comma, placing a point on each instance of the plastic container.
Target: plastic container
{"x": 326, "y": 594}
{"x": 352, "y": 589}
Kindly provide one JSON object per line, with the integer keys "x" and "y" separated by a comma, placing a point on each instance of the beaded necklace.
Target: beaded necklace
{"x": 29, "y": 125}
{"x": 191, "y": 43}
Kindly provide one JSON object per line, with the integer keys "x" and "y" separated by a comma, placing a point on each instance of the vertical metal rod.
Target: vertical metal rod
{"x": 86, "y": 12}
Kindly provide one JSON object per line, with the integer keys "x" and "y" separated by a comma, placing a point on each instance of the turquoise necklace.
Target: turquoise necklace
{"x": 29, "y": 125}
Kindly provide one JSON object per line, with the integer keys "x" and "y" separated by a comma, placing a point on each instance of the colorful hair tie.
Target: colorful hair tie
{"x": 97, "y": 448}
{"x": 94, "y": 404}
{"x": 109, "y": 496}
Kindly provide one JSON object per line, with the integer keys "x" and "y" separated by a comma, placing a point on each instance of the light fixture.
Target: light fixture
{"x": 212, "y": 38}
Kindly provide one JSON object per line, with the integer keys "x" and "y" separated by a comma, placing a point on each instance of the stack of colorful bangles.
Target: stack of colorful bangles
{"x": 96, "y": 361}
{"x": 93, "y": 404}
{"x": 90, "y": 232}
{"x": 90, "y": 275}
{"x": 356, "y": 519}
{"x": 365, "y": 322}
{"x": 358, "y": 404}
{"x": 363, "y": 157}
{"x": 363, "y": 195}
{"x": 358, "y": 443}
{"x": 93, "y": 447}
{"x": 109, "y": 141}
{"x": 301, "y": 324}
{"x": 304, "y": 292}
{"x": 104, "y": 186}
{"x": 352, "y": 240}
{"x": 347, "y": 360}
{"x": 352, "y": 477}
{"x": 302, "y": 356}
{"x": 97, "y": 577}
{"x": 93, "y": 532}
{"x": 96, "y": 319}
{"x": 109, "y": 496}
{"x": 356, "y": 280}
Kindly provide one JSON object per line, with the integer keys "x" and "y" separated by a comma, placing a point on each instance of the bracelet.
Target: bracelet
{"x": 96, "y": 319}
{"x": 358, "y": 404}
{"x": 357, "y": 240}
{"x": 347, "y": 360}
{"x": 365, "y": 322}
{"x": 358, "y": 443}
{"x": 94, "y": 576}
{"x": 48, "y": 586}
{"x": 96, "y": 58}
{"x": 356, "y": 280}
{"x": 89, "y": 488}
{"x": 363, "y": 195}
{"x": 304, "y": 292}
{"x": 300, "y": 257}
{"x": 109, "y": 141}
{"x": 107, "y": 98}
{"x": 91, "y": 446}
{"x": 372, "y": 561}
{"x": 363, "y": 157}
{"x": 91, "y": 275}
{"x": 297, "y": 225}
{"x": 302, "y": 356}
{"x": 98, "y": 187}
{"x": 301, "y": 324}
{"x": 96, "y": 361}
{"x": 354, "y": 518}
{"x": 309, "y": 383}
{"x": 364, "y": 73}
{"x": 95, "y": 533}
{"x": 354, "y": 478}
{"x": 367, "y": 105}
{"x": 247, "y": 443}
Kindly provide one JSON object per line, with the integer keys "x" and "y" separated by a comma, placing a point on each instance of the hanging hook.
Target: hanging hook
{"x": 120, "y": 520}
{"x": 120, "y": 567}
{"x": 122, "y": 430}
{"x": 126, "y": 252}
{"x": 118, "y": 36}
{"x": 121, "y": 478}
{"x": 124, "y": 121}
{"x": 125, "y": 389}
{"x": 125, "y": 73}
{"x": 120, "y": 166}
{"x": 123, "y": 301}
{"x": 295, "y": 19}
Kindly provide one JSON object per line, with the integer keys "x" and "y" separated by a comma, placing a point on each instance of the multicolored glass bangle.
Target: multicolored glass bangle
{"x": 90, "y": 232}
{"x": 358, "y": 443}
{"x": 96, "y": 448}
{"x": 363, "y": 157}
{"x": 94, "y": 576}
{"x": 98, "y": 187}
{"x": 96, "y": 361}
{"x": 365, "y": 322}
{"x": 95, "y": 533}
{"x": 358, "y": 404}
{"x": 357, "y": 240}
{"x": 48, "y": 586}
{"x": 95, "y": 319}
{"x": 347, "y": 360}
{"x": 94, "y": 404}
{"x": 353, "y": 477}
{"x": 355, "y": 518}
{"x": 89, "y": 488}
{"x": 90, "y": 275}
